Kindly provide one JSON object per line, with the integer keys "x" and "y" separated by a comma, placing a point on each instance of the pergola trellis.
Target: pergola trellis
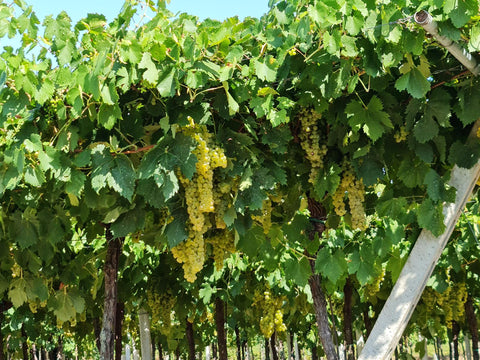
{"x": 426, "y": 252}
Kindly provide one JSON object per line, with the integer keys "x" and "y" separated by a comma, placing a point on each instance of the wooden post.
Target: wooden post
{"x": 145, "y": 339}
{"x": 400, "y": 304}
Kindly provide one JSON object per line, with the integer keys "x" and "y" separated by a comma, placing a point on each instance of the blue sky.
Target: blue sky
{"x": 215, "y": 9}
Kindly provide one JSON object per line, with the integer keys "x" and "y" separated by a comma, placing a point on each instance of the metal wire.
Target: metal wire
{"x": 402, "y": 21}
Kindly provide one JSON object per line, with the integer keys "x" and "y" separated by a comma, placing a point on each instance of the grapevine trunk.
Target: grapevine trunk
{"x": 110, "y": 303}
{"x": 472, "y": 326}
{"x": 220, "y": 324}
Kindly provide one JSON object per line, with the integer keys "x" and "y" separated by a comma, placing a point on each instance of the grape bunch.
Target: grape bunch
{"x": 354, "y": 189}
{"x": 265, "y": 217}
{"x": 222, "y": 200}
{"x": 161, "y": 309}
{"x": 191, "y": 254}
{"x": 401, "y": 135}
{"x": 270, "y": 308}
{"x": 199, "y": 197}
{"x": 452, "y": 301}
{"x": 371, "y": 289}
{"x": 310, "y": 141}
{"x": 223, "y": 244}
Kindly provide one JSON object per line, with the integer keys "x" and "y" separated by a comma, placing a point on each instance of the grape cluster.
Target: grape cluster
{"x": 452, "y": 301}
{"x": 223, "y": 244}
{"x": 161, "y": 309}
{"x": 199, "y": 198}
{"x": 401, "y": 135}
{"x": 355, "y": 191}
{"x": 191, "y": 253}
{"x": 265, "y": 218}
{"x": 270, "y": 308}
{"x": 371, "y": 289}
{"x": 310, "y": 141}
{"x": 222, "y": 201}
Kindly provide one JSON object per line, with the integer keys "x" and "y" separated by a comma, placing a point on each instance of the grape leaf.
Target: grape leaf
{"x": 371, "y": 118}
{"x": 464, "y": 155}
{"x": 63, "y": 306}
{"x": 430, "y": 217}
{"x": 460, "y": 11}
{"x": 166, "y": 84}
{"x": 412, "y": 172}
{"x": 437, "y": 189}
{"x": 467, "y": 107}
{"x": 123, "y": 177}
{"x": 151, "y": 72}
{"x": 108, "y": 115}
{"x": 298, "y": 271}
{"x": 414, "y": 82}
{"x": 17, "y": 292}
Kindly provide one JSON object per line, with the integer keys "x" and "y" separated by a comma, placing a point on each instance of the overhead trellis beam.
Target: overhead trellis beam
{"x": 398, "y": 308}
{"x": 425, "y": 20}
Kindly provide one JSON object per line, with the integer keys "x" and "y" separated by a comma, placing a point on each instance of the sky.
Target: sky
{"x": 215, "y": 9}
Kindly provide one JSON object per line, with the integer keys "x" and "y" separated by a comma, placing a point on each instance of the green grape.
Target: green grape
{"x": 265, "y": 218}
{"x": 310, "y": 141}
{"x": 223, "y": 244}
{"x": 354, "y": 189}
{"x": 270, "y": 308}
{"x": 199, "y": 198}
{"x": 401, "y": 135}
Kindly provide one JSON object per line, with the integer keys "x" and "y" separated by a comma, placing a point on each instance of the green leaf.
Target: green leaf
{"x": 45, "y": 92}
{"x": 17, "y": 292}
{"x": 102, "y": 163}
{"x": 63, "y": 306}
{"x": 298, "y": 271}
{"x": 251, "y": 241}
{"x": 175, "y": 231}
{"x": 370, "y": 171}
{"x": 474, "y": 43}
{"x": 108, "y": 115}
{"x": 332, "y": 266}
{"x": 34, "y": 176}
{"x": 354, "y": 23}
{"x": 372, "y": 119}
{"x": 128, "y": 223}
{"x": 414, "y": 82}
{"x": 425, "y": 129}
{"x": 430, "y": 217}
{"x": 437, "y": 188}
{"x": 109, "y": 93}
{"x": 327, "y": 181}
{"x": 412, "y": 172}
{"x": 166, "y": 84}
{"x": 464, "y": 155}
{"x": 467, "y": 107}
{"x": 38, "y": 289}
{"x": 460, "y": 11}
{"x": 151, "y": 72}
{"x": 233, "y": 106}
{"x": 264, "y": 72}
{"x": 278, "y": 117}
{"x": 123, "y": 177}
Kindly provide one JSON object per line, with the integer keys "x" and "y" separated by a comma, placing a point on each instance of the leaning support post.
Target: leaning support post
{"x": 424, "y": 19}
{"x": 399, "y": 306}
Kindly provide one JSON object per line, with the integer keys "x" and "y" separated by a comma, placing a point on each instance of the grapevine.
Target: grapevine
{"x": 310, "y": 141}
